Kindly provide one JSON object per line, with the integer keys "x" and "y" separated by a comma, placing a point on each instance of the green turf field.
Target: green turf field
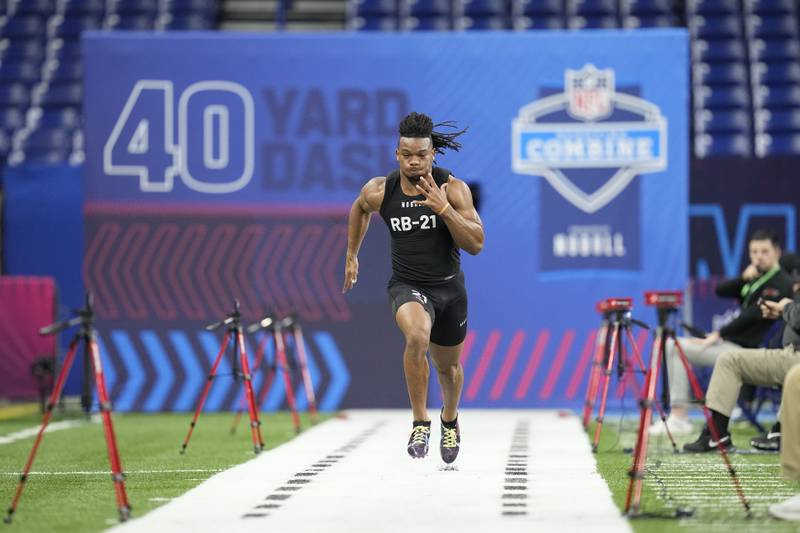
{"x": 697, "y": 481}
{"x": 71, "y": 488}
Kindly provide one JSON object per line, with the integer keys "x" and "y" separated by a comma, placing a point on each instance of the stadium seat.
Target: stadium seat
{"x": 24, "y": 50}
{"x": 207, "y": 7}
{"x": 770, "y": 51}
{"x": 36, "y": 7}
{"x": 716, "y": 27}
{"x": 188, "y": 22}
{"x": 134, "y": 7}
{"x": 63, "y": 94}
{"x": 776, "y": 73}
{"x": 71, "y": 28}
{"x": 764, "y": 7}
{"x": 14, "y": 94}
{"x": 713, "y": 51}
{"x": 778, "y": 120}
{"x": 427, "y": 23}
{"x": 722, "y": 97}
{"x": 579, "y": 23}
{"x": 134, "y": 22}
{"x": 724, "y": 121}
{"x": 30, "y": 26}
{"x": 68, "y": 51}
{"x": 27, "y": 72}
{"x": 707, "y": 145}
{"x": 712, "y": 7}
{"x": 647, "y": 7}
{"x": 11, "y": 118}
{"x": 777, "y": 96}
{"x": 777, "y": 144}
{"x": 484, "y": 23}
{"x": 773, "y": 26}
{"x": 428, "y": 8}
{"x": 60, "y": 118}
{"x": 50, "y": 139}
{"x": 374, "y": 23}
{"x": 375, "y": 8}
{"x": 47, "y": 156}
{"x": 485, "y": 8}
{"x": 84, "y": 7}
{"x": 541, "y": 8}
{"x": 588, "y": 8}
{"x": 650, "y": 21}
{"x": 719, "y": 73}
{"x": 539, "y": 23}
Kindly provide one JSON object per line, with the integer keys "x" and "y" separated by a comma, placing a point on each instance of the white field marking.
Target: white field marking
{"x": 159, "y": 499}
{"x": 372, "y": 484}
{"x": 108, "y": 472}
{"x": 32, "y": 431}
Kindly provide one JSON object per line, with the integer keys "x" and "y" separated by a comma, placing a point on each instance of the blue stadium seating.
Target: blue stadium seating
{"x": 720, "y": 73}
{"x": 27, "y": 72}
{"x": 788, "y": 144}
{"x": 36, "y": 7}
{"x": 592, "y": 8}
{"x": 713, "y": 7}
{"x": 11, "y": 118}
{"x": 541, "y": 8}
{"x": 485, "y": 8}
{"x": 777, "y": 96}
{"x": 14, "y": 94}
{"x": 725, "y": 121}
{"x": 776, "y": 73}
{"x": 782, "y": 120}
{"x": 374, "y": 23}
{"x": 84, "y": 7}
{"x": 769, "y": 51}
{"x": 135, "y": 7}
{"x": 723, "y": 50}
{"x": 578, "y": 23}
{"x": 716, "y": 27}
{"x": 206, "y": 7}
{"x": 71, "y": 28}
{"x": 763, "y": 7}
{"x": 429, "y": 8}
{"x": 725, "y": 144}
{"x": 63, "y": 94}
{"x": 375, "y": 8}
{"x": 540, "y": 23}
{"x": 188, "y": 22}
{"x": 134, "y": 22}
{"x": 721, "y": 97}
{"x": 485, "y": 23}
{"x": 651, "y": 21}
{"x": 772, "y": 26}
{"x": 442, "y": 23}
{"x": 32, "y": 26}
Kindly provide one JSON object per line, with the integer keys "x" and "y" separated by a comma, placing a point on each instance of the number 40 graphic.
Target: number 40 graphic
{"x": 213, "y": 152}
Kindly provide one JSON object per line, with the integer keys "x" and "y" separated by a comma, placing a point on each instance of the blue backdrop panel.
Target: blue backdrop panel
{"x": 223, "y": 165}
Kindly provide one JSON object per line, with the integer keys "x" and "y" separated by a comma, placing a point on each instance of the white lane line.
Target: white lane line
{"x": 32, "y": 431}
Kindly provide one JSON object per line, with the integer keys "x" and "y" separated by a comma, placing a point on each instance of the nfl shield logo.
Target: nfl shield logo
{"x": 590, "y": 92}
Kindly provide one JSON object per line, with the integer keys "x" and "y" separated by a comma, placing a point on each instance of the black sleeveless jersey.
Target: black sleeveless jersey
{"x": 422, "y": 248}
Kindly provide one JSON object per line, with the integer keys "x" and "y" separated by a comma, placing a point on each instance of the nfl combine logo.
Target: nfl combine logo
{"x": 589, "y": 126}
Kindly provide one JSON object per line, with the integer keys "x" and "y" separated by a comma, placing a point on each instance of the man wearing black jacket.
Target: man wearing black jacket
{"x": 762, "y": 279}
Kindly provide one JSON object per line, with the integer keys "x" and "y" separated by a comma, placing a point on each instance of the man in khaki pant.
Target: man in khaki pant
{"x": 790, "y": 449}
{"x": 755, "y": 366}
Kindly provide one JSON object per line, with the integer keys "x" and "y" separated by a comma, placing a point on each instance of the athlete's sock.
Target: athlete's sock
{"x": 452, "y": 424}
{"x": 426, "y": 423}
{"x": 721, "y": 421}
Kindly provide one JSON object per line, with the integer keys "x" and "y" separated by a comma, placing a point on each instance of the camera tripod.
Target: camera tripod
{"x": 615, "y": 330}
{"x": 233, "y": 324}
{"x": 667, "y": 305}
{"x": 91, "y": 355}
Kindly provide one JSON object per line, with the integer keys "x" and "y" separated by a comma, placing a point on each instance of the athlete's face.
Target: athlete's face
{"x": 415, "y": 156}
{"x": 763, "y": 254}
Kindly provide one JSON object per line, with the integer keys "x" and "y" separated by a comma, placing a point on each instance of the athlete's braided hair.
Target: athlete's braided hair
{"x": 418, "y": 125}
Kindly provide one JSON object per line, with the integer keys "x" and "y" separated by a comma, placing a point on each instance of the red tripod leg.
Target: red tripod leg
{"x": 52, "y": 402}
{"x": 255, "y": 423}
{"x": 280, "y": 354}
{"x": 111, "y": 440}
{"x": 715, "y": 434}
{"x": 300, "y": 349}
{"x": 243, "y": 401}
{"x": 663, "y": 416}
{"x": 203, "y": 396}
{"x": 594, "y": 375}
{"x": 634, "y": 496}
{"x": 269, "y": 376}
{"x": 606, "y": 380}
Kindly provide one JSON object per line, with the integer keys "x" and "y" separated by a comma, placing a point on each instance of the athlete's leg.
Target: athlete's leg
{"x": 415, "y": 323}
{"x": 447, "y": 360}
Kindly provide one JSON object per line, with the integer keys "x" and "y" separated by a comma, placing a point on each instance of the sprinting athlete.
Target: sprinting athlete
{"x": 431, "y": 217}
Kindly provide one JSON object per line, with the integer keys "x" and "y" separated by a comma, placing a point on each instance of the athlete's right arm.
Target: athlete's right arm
{"x": 368, "y": 201}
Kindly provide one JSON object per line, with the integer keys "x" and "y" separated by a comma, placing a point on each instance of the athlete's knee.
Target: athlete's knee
{"x": 417, "y": 340}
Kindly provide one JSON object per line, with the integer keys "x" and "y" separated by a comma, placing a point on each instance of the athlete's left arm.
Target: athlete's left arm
{"x": 452, "y": 202}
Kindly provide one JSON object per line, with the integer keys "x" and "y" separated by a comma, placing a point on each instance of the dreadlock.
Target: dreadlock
{"x": 418, "y": 125}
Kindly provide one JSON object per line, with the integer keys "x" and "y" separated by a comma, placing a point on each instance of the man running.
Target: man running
{"x": 430, "y": 216}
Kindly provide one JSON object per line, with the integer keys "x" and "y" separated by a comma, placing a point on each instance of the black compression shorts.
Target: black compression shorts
{"x": 446, "y": 304}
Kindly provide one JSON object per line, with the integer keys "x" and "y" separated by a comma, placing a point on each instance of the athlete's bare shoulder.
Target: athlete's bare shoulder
{"x": 372, "y": 194}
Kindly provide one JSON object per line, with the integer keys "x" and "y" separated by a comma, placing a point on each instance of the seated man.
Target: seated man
{"x": 790, "y": 452}
{"x": 763, "y": 278}
{"x": 763, "y": 366}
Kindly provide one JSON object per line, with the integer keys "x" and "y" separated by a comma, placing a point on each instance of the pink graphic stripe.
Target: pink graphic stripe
{"x": 469, "y": 341}
{"x": 508, "y": 364}
{"x": 533, "y": 365}
{"x": 483, "y": 364}
{"x": 558, "y": 365}
{"x": 580, "y": 368}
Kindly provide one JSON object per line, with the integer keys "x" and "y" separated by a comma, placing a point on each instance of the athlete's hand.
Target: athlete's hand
{"x": 350, "y": 272}
{"x": 435, "y": 197}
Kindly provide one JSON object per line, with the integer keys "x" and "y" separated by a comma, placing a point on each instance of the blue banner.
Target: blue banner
{"x": 222, "y": 166}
